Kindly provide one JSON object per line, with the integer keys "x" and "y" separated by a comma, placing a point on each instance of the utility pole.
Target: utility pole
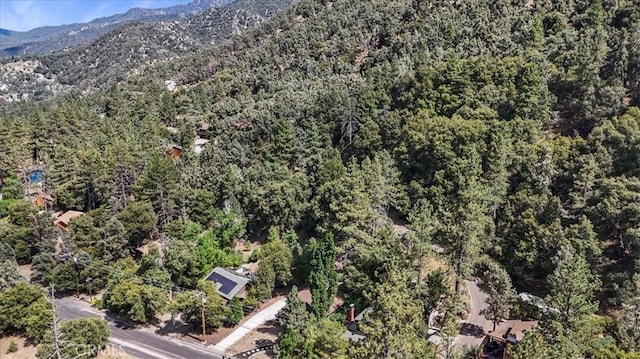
{"x": 55, "y": 324}
{"x": 89, "y": 286}
{"x": 75, "y": 275}
{"x": 203, "y": 299}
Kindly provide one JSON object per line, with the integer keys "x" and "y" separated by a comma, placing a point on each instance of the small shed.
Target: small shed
{"x": 228, "y": 284}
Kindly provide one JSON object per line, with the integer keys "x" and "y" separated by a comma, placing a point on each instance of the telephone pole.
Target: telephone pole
{"x": 89, "y": 286}
{"x": 75, "y": 275}
{"x": 203, "y": 299}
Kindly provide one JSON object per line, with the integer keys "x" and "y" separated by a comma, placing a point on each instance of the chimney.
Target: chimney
{"x": 352, "y": 314}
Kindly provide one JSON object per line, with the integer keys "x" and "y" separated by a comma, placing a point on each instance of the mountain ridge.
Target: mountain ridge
{"x": 126, "y": 50}
{"x": 50, "y": 38}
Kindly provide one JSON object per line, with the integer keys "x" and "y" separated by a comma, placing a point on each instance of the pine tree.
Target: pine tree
{"x": 294, "y": 316}
{"x": 572, "y": 285}
{"x": 629, "y": 331}
{"x": 323, "y": 278}
{"x": 501, "y": 294}
{"x": 395, "y": 325}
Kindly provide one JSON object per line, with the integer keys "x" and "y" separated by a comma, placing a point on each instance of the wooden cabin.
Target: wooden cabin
{"x": 203, "y": 131}
{"x": 174, "y": 152}
{"x": 510, "y": 332}
{"x": 63, "y": 220}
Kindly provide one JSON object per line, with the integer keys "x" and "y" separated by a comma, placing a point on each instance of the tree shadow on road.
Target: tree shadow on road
{"x": 174, "y": 327}
{"x": 120, "y": 322}
{"x": 471, "y": 330}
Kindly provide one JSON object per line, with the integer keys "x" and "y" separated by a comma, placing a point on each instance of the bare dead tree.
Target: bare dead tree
{"x": 56, "y": 334}
{"x": 118, "y": 199}
{"x": 349, "y": 125}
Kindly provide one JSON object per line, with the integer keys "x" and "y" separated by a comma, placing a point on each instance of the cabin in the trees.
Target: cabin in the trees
{"x": 203, "y": 131}
{"x": 174, "y": 152}
{"x": 63, "y": 220}
{"x": 353, "y": 333}
{"x": 228, "y": 284}
{"x": 43, "y": 200}
{"x": 198, "y": 145}
{"x": 36, "y": 176}
{"x": 510, "y": 332}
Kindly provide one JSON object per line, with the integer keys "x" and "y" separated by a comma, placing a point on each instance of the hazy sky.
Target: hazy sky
{"x": 22, "y": 15}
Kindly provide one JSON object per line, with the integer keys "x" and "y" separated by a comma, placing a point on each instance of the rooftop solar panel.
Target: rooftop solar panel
{"x": 227, "y": 284}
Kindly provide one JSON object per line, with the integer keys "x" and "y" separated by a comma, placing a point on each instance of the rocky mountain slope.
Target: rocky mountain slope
{"x": 127, "y": 50}
{"x": 50, "y": 38}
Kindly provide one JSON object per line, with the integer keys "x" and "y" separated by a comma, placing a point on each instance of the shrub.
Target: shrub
{"x": 13, "y": 347}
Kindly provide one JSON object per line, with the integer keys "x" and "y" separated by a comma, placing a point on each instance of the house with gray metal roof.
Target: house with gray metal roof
{"x": 228, "y": 284}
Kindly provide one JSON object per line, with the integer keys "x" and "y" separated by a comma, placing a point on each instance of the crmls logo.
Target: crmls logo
{"x": 88, "y": 350}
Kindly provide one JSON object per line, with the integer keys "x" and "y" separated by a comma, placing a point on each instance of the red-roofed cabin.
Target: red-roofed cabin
{"x": 174, "y": 152}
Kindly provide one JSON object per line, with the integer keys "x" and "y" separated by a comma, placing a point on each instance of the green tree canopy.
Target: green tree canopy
{"x": 24, "y": 308}
{"x": 188, "y": 304}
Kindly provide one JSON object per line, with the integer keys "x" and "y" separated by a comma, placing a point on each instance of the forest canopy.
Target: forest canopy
{"x": 505, "y": 133}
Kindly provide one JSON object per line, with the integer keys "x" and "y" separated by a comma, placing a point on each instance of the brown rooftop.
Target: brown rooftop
{"x": 66, "y": 217}
{"x": 513, "y": 328}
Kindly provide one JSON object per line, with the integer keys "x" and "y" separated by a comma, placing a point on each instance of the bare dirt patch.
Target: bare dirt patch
{"x": 246, "y": 248}
{"x": 25, "y": 350}
{"x": 25, "y": 270}
{"x": 190, "y": 334}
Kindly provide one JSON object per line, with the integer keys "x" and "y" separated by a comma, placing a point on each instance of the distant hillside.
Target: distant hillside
{"x": 505, "y": 132}
{"x": 51, "y": 38}
{"x": 127, "y": 50}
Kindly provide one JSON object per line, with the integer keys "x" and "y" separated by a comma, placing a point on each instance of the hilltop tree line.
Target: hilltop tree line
{"x": 505, "y": 133}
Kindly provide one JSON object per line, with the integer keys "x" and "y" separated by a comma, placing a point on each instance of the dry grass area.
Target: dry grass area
{"x": 434, "y": 262}
{"x": 25, "y": 270}
{"x": 246, "y": 248}
{"x": 24, "y": 352}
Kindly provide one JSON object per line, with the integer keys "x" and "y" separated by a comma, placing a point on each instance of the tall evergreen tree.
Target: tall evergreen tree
{"x": 395, "y": 326}
{"x": 293, "y": 318}
{"x": 572, "y": 285}
{"x": 629, "y": 331}
{"x": 501, "y": 294}
{"x": 323, "y": 278}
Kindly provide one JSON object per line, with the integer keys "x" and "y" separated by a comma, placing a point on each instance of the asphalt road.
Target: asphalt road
{"x": 139, "y": 343}
{"x": 474, "y": 327}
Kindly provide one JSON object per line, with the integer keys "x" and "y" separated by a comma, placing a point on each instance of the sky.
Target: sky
{"x": 23, "y": 15}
